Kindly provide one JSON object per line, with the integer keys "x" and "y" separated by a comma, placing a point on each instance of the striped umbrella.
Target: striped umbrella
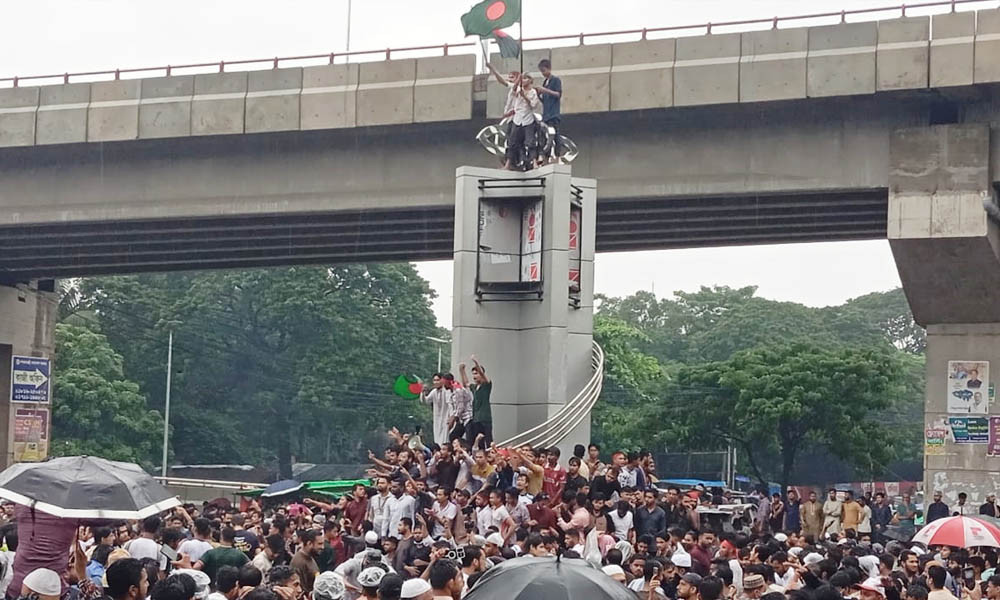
{"x": 960, "y": 532}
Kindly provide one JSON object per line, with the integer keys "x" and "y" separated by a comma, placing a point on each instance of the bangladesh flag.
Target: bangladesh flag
{"x": 490, "y": 15}
{"x": 509, "y": 48}
{"x": 408, "y": 387}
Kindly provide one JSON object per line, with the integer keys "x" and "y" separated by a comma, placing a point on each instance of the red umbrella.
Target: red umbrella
{"x": 961, "y": 532}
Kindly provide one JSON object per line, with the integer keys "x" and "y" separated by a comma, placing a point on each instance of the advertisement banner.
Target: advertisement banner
{"x": 531, "y": 245}
{"x": 968, "y": 386}
{"x": 31, "y": 434}
{"x": 993, "y": 449}
{"x": 969, "y": 430}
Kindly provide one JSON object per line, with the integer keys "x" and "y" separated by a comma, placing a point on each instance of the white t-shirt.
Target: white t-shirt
{"x": 448, "y": 511}
{"x": 194, "y": 549}
{"x": 637, "y": 585}
{"x": 498, "y": 516}
{"x": 524, "y": 108}
{"x": 262, "y": 562}
{"x": 141, "y": 548}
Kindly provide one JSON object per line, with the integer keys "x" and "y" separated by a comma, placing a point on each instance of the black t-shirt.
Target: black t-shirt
{"x": 575, "y": 483}
{"x": 247, "y": 542}
{"x": 447, "y": 473}
{"x": 601, "y": 485}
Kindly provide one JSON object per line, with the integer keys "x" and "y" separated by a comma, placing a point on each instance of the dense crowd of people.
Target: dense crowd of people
{"x": 434, "y": 517}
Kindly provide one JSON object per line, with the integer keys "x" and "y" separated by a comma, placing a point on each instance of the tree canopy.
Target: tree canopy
{"x": 272, "y": 365}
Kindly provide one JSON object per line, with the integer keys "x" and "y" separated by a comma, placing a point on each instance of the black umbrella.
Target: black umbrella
{"x": 530, "y": 578}
{"x": 86, "y": 487}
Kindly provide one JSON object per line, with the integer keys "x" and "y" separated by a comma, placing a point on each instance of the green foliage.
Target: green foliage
{"x": 784, "y": 397}
{"x": 96, "y": 410}
{"x": 274, "y": 364}
{"x": 721, "y": 347}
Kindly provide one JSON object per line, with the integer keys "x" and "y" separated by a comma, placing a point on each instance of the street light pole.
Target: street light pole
{"x": 440, "y": 343}
{"x": 166, "y": 407}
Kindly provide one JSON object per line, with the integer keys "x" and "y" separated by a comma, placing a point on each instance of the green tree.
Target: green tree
{"x": 95, "y": 409}
{"x": 275, "y": 365}
{"x": 783, "y": 397}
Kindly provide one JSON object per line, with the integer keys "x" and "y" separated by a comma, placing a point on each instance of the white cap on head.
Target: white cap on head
{"x": 781, "y": 537}
{"x": 812, "y": 558}
{"x": 44, "y": 582}
{"x": 681, "y": 559}
{"x": 371, "y": 538}
{"x": 795, "y": 550}
{"x": 494, "y": 538}
{"x": 328, "y": 586}
{"x": 201, "y": 581}
{"x": 414, "y": 588}
{"x": 371, "y": 577}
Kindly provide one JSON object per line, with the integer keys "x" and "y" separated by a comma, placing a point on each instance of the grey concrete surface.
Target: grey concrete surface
{"x": 114, "y": 111}
{"x": 773, "y": 64}
{"x": 642, "y": 74}
{"x": 27, "y": 328}
{"x": 17, "y": 116}
{"x": 165, "y": 107}
{"x": 707, "y": 70}
{"x": 842, "y": 59}
{"x": 537, "y": 353}
{"x": 750, "y": 67}
{"x": 953, "y": 49}
{"x": 903, "y": 53}
{"x": 959, "y": 467}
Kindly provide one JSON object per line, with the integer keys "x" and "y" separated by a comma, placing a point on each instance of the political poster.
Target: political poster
{"x": 29, "y": 379}
{"x": 31, "y": 434}
{"x": 968, "y": 387}
{"x": 993, "y": 447}
{"x": 970, "y": 430}
{"x": 934, "y": 439}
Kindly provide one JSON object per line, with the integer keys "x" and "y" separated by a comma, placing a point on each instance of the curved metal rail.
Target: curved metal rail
{"x": 558, "y": 426}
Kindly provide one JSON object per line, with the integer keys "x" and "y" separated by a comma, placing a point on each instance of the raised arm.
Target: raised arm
{"x": 500, "y": 78}
{"x": 463, "y": 375}
{"x": 482, "y": 373}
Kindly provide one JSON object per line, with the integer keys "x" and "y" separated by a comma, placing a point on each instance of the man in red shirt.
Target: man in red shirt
{"x": 701, "y": 554}
{"x": 554, "y": 478}
{"x": 542, "y": 516}
{"x": 356, "y": 508}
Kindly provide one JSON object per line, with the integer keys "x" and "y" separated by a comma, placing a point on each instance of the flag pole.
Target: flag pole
{"x": 520, "y": 36}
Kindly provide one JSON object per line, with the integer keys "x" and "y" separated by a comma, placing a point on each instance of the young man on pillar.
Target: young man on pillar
{"x": 482, "y": 414}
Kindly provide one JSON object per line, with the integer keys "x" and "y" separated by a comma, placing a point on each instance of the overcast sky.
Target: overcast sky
{"x": 55, "y": 36}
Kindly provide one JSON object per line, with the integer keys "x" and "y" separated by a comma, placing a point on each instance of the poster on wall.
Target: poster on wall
{"x": 968, "y": 387}
{"x": 531, "y": 246}
{"x": 31, "y": 434}
{"x": 993, "y": 447}
{"x": 969, "y": 430}
{"x": 934, "y": 439}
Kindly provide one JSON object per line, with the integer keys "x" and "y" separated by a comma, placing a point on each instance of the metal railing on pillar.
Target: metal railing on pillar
{"x": 558, "y": 426}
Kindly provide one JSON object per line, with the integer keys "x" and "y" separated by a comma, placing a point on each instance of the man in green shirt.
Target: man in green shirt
{"x": 482, "y": 414}
{"x": 225, "y": 554}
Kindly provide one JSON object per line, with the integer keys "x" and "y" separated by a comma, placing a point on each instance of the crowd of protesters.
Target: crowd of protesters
{"x": 436, "y": 516}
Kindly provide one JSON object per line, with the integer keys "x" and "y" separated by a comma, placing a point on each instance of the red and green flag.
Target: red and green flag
{"x": 490, "y": 15}
{"x": 408, "y": 387}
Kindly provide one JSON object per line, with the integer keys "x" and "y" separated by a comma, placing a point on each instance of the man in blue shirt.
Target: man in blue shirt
{"x": 551, "y": 95}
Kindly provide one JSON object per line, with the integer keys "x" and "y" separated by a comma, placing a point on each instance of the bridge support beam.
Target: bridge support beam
{"x": 28, "y": 314}
{"x": 947, "y": 250}
{"x": 523, "y": 290}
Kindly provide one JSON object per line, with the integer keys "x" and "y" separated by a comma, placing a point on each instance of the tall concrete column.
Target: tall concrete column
{"x": 947, "y": 250}
{"x": 535, "y": 344}
{"x": 27, "y": 328}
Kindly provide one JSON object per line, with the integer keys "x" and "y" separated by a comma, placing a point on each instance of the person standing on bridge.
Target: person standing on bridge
{"x": 551, "y": 94}
{"x": 482, "y": 414}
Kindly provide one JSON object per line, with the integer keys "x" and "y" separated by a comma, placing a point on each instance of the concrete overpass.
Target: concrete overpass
{"x": 756, "y": 137}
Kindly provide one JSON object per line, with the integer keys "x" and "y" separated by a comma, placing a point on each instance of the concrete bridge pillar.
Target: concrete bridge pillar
{"x": 947, "y": 250}
{"x": 523, "y": 293}
{"x": 28, "y": 314}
